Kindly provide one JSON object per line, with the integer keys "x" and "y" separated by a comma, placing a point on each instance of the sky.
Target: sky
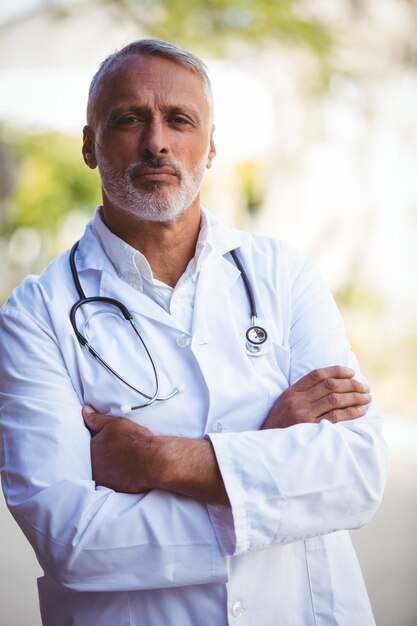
{"x": 10, "y": 9}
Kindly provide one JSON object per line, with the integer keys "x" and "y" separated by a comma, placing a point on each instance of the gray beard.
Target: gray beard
{"x": 156, "y": 201}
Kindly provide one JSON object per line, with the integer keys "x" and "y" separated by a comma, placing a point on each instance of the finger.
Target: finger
{"x": 336, "y": 401}
{"x": 336, "y": 385}
{"x": 95, "y": 421}
{"x": 343, "y": 415}
{"x": 319, "y": 375}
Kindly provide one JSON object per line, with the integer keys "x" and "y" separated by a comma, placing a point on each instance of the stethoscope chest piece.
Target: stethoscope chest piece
{"x": 256, "y": 337}
{"x": 256, "y": 340}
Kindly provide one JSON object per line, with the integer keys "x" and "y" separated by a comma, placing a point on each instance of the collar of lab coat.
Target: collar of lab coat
{"x": 217, "y": 276}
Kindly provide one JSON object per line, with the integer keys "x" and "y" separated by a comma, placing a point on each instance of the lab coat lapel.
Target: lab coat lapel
{"x": 217, "y": 276}
{"x": 91, "y": 258}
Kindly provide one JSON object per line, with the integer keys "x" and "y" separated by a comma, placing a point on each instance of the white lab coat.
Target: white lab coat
{"x": 281, "y": 555}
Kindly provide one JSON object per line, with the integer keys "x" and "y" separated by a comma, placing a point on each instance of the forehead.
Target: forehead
{"x": 150, "y": 80}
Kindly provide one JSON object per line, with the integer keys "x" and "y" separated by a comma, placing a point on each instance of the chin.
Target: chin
{"x": 160, "y": 214}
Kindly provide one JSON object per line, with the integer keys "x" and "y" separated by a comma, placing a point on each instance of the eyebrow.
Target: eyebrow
{"x": 172, "y": 109}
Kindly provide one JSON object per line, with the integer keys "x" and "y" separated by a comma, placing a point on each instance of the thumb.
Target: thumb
{"x": 95, "y": 421}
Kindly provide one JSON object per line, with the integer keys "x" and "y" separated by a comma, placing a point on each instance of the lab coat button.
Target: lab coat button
{"x": 183, "y": 341}
{"x": 216, "y": 427}
{"x": 237, "y": 609}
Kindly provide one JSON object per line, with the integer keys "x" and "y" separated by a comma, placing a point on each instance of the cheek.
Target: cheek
{"x": 196, "y": 157}
{"x": 121, "y": 149}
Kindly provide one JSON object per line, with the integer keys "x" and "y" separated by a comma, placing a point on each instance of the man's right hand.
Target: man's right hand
{"x": 329, "y": 393}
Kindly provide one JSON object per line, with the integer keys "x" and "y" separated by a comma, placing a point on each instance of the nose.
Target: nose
{"x": 154, "y": 140}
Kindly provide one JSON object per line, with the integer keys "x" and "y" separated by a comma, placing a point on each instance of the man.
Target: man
{"x": 226, "y": 496}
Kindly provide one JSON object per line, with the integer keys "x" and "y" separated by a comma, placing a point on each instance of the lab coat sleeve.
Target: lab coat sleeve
{"x": 85, "y": 538}
{"x": 291, "y": 484}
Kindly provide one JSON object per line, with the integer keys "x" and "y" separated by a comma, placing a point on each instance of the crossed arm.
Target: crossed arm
{"x": 129, "y": 458}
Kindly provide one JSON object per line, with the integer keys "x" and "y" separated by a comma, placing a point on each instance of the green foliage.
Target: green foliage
{"x": 51, "y": 180}
{"x": 356, "y": 296}
{"x": 214, "y": 24}
{"x": 251, "y": 184}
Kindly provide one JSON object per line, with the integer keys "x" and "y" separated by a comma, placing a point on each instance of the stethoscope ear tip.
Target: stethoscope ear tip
{"x": 125, "y": 409}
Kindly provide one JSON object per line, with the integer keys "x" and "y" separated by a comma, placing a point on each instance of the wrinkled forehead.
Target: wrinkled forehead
{"x": 143, "y": 78}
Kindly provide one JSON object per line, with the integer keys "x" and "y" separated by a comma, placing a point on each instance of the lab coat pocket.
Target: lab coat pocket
{"x": 273, "y": 367}
{"x": 264, "y": 378}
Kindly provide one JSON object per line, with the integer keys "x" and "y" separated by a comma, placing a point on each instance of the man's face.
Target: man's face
{"x": 151, "y": 138}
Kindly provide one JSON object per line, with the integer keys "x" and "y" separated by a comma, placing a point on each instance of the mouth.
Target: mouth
{"x": 155, "y": 174}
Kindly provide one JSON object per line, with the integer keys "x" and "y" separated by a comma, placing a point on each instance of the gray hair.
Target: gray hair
{"x": 150, "y": 48}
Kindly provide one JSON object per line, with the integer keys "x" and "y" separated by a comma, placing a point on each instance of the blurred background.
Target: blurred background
{"x": 316, "y": 116}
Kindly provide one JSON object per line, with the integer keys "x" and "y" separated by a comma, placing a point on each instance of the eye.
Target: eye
{"x": 126, "y": 121}
{"x": 178, "y": 119}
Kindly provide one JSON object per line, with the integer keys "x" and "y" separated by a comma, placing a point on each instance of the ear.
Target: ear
{"x": 88, "y": 149}
{"x": 212, "y": 151}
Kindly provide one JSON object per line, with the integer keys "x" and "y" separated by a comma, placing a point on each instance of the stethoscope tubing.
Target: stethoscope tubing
{"x": 256, "y": 336}
{"x": 128, "y": 317}
{"x": 249, "y": 292}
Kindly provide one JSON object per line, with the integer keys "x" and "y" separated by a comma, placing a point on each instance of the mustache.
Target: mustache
{"x": 135, "y": 168}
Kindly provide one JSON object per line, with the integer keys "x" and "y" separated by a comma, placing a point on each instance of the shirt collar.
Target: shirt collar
{"x": 128, "y": 261}
{"x": 91, "y": 254}
{"x": 118, "y": 251}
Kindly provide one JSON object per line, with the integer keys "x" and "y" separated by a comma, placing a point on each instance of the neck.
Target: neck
{"x": 167, "y": 246}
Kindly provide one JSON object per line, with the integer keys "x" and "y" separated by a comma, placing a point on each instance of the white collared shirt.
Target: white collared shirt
{"x": 133, "y": 268}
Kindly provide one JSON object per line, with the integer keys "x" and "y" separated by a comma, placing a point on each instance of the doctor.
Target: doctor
{"x": 226, "y": 497}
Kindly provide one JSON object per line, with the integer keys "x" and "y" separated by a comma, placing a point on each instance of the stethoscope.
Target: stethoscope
{"x": 256, "y": 336}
